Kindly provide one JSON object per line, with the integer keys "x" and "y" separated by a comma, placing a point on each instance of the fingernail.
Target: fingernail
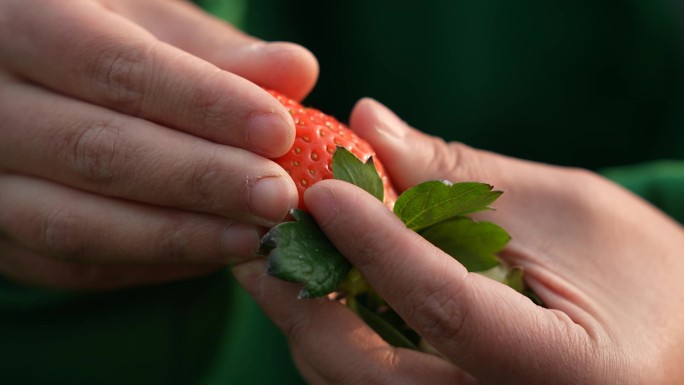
{"x": 270, "y": 134}
{"x": 388, "y": 123}
{"x": 249, "y": 275}
{"x": 271, "y": 198}
{"x": 240, "y": 240}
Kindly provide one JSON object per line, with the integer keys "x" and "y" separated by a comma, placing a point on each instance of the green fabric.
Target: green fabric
{"x": 587, "y": 83}
{"x": 204, "y": 331}
{"x": 659, "y": 182}
{"x": 232, "y": 11}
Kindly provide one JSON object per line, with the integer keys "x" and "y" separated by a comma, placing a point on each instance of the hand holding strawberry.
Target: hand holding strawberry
{"x": 134, "y": 141}
{"x": 607, "y": 265}
{"x": 298, "y": 251}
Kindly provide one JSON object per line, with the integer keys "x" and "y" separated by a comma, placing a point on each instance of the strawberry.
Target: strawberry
{"x": 318, "y": 136}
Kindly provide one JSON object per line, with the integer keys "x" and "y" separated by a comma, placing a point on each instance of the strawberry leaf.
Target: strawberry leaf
{"x": 347, "y": 167}
{"x": 474, "y": 244}
{"x": 514, "y": 279}
{"x": 432, "y": 202}
{"x": 299, "y": 251}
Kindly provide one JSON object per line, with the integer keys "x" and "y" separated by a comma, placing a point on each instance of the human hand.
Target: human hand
{"x": 133, "y": 147}
{"x": 607, "y": 265}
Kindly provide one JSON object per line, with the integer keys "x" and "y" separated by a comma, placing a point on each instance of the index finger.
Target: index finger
{"x": 81, "y": 49}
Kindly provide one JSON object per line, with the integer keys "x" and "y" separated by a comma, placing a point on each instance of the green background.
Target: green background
{"x": 584, "y": 83}
{"x": 595, "y": 84}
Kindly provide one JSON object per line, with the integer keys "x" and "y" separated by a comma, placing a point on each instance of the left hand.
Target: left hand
{"x": 607, "y": 264}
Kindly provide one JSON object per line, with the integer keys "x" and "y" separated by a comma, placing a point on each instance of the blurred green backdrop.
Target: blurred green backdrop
{"x": 583, "y": 83}
{"x": 596, "y": 84}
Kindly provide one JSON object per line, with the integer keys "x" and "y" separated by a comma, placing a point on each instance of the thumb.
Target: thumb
{"x": 482, "y": 326}
{"x": 411, "y": 157}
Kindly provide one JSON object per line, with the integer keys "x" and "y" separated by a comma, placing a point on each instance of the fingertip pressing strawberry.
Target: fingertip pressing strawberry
{"x": 317, "y": 138}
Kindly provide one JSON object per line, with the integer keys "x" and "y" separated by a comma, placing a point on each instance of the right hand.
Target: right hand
{"x": 134, "y": 140}
{"x": 607, "y": 265}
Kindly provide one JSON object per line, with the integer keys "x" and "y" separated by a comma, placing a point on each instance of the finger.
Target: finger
{"x": 411, "y": 156}
{"x": 332, "y": 345}
{"x": 83, "y": 50}
{"x": 306, "y": 371}
{"x": 539, "y": 203}
{"x": 71, "y": 225}
{"x": 476, "y": 322}
{"x": 23, "y": 266}
{"x": 108, "y": 153}
{"x": 533, "y": 193}
{"x": 286, "y": 67}
{"x": 412, "y": 367}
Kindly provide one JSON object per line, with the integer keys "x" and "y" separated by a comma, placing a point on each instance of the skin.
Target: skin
{"x": 607, "y": 264}
{"x": 135, "y": 138}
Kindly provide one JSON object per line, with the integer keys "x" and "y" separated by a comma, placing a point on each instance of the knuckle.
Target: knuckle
{"x": 448, "y": 160}
{"x": 173, "y": 240}
{"x": 458, "y": 158}
{"x": 387, "y": 363}
{"x": 379, "y": 373}
{"x": 210, "y": 106}
{"x": 60, "y": 235}
{"x": 369, "y": 248}
{"x": 298, "y": 330}
{"x": 95, "y": 152}
{"x": 177, "y": 240}
{"x": 439, "y": 312}
{"x": 204, "y": 182}
{"x": 119, "y": 74}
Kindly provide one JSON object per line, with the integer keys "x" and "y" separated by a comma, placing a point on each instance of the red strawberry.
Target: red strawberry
{"x": 317, "y": 137}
